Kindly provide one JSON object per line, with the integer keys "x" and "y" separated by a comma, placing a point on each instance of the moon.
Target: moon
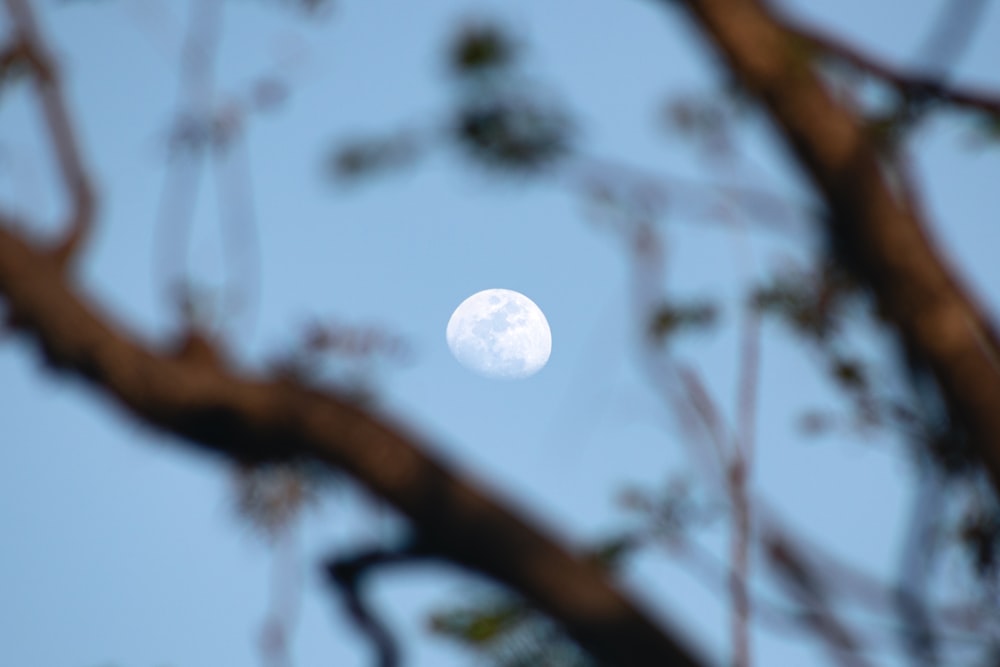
{"x": 500, "y": 333}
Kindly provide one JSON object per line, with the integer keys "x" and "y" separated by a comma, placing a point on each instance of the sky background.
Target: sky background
{"x": 122, "y": 548}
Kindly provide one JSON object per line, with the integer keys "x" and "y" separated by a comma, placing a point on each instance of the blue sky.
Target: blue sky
{"x": 122, "y": 549}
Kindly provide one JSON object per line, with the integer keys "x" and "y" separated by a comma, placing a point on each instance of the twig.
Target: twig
{"x": 29, "y": 48}
{"x": 915, "y": 85}
{"x": 202, "y": 132}
{"x": 188, "y": 140}
{"x": 239, "y": 222}
{"x": 680, "y": 386}
{"x": 285, "y": 599}
{"x": 741, "y": 467}
{"x": 701, "y": 403}
{"x": 917, "y": 559}
{"x": 776, "y": 617}
{"x": 347, "y": 575}
{"x": 749, "y": 379}
{"x": 951, "y": 34}
{"x": 807, "y": 587}
{"x": 648, "y": 194}
{"x": 940, "y": 322}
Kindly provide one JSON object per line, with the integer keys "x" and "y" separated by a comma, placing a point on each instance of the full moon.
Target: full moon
{"x": 500, "y": 333}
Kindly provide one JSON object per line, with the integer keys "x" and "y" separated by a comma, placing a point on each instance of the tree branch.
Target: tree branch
{"x": 346, "y": 575}
{"x": 192, "y": 393}
{"x": 249, "y": 419}
{"x": 29, "y": 49}
{"x": 916, "y": 84}
{"x": 807, "y": 587}
{"x": 872, "y": 225}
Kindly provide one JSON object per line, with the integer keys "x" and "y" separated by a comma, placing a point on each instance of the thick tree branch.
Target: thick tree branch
{"x": 872, "y": 223}
{"x": 193, "y": 394}
{"x": 246, "y": 419}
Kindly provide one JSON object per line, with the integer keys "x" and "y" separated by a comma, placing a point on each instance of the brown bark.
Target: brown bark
{"x": 213, "y": 407}
{"x": 872, "y": 218}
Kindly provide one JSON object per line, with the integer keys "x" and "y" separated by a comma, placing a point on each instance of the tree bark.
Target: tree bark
{"x": 208, "y": 405}
{"x": 872, "y": 220}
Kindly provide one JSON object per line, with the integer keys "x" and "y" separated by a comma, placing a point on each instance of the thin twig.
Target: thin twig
{"x": 706, "y": 442}
{"x": 285, "y": 599}
{"x": 697, "y": 412}
{"x": 741, "y": 467}
{"x": 239, "y": 222}
{"x": 951, "y": 34}
{"x": 749, "y": 380}
{"x": 807, "y": 586}
{"x": 776, "y": 617}
{"x": 914, "y": 84}
{"x": 29, "y": 47}
{"x": 918, "y": 555}
{"x": 347, "y": 574}
{"x": 701, "y": 403}
{"x": 201, "y": 131}
{"x": 641, "y": 191}
{"x": 189, "y": 139}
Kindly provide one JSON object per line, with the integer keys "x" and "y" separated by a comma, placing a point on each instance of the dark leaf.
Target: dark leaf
{"x": 671, "y": 318}
{"x": 514, "y": 134}
{"x": 980, "y": 533}
{"x": 849, "y": 374}
{"x": 365, "y": 156}
{"x": 478, "y": 49}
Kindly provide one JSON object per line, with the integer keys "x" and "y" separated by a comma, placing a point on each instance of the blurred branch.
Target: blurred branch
{"x": 285, "y": 600}
{"x": 740, "y": 469}
{"x": 958, "y": 627}
{"x": 918, "y": 553}
{"x": 204, "y": 130}
{"x": 704, "y": 423}
{"x": 29, "y": 49}
{"x": 847, "y": 584}
{"x": 211, "y": 406}
{"x": 917, "y": 86}
{"x": 871, "y": 228}
{"x": 192, "y": 393}
{"x": 647, "y": 195}
{"x": 807, "y": 587}
{"x": 951, "y": 34}
{"x": 347, "y": 574}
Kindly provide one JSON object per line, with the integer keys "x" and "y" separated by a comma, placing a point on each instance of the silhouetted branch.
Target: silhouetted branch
{"x": 347, "y": 575}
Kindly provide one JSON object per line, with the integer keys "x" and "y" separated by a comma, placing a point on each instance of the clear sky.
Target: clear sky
{"x": 122, "y": 548}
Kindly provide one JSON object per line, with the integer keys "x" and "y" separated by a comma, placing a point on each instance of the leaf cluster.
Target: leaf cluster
{"x": 499, "y": 119}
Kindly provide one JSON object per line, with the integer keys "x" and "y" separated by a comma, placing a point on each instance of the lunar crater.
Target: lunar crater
{"x": 501, "y": 334}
